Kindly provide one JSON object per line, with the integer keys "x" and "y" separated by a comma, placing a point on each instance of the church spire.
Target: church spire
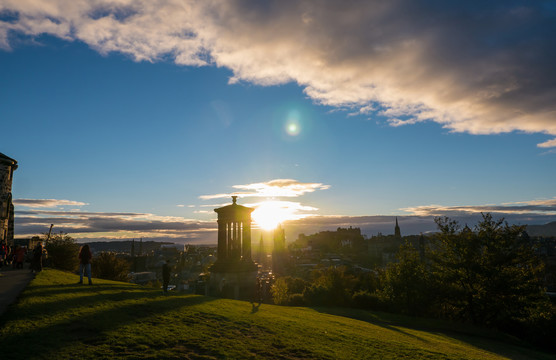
{"x": 397, "y": 232}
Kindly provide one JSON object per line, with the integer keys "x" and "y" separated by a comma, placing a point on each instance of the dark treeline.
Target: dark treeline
{"x": 490, "y": 276}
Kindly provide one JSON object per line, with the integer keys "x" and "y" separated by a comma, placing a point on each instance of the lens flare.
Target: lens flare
{"x": 292, "y": 127}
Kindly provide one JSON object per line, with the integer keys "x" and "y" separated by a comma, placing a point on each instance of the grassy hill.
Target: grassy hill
{"x": 57, "y": 319}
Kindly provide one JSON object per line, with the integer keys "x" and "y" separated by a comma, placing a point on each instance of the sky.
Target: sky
{"x": 136, "y": 119}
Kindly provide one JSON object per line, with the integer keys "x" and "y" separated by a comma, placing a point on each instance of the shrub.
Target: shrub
{"x": 286, "y": 287}
{"x": 331, "y": 287}
{"x": 107, "y": 265}
{"x": 365, "y": 300}
{"x": 63, "y": 252}
{"x": 296, "y": 300}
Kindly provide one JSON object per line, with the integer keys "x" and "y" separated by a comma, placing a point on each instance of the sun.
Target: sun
{"x": 269, "y": 214}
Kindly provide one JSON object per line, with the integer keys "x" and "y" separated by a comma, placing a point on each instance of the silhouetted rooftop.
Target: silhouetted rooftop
{"x": 8, "y": 160}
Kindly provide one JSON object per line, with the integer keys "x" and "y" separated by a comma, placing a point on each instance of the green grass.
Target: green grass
{"x": 57, "y": 319}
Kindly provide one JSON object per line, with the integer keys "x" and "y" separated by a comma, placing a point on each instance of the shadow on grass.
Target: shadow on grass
{"x": 50, "y": 290}
{"x": 89, "y": 297}
{"x": 367, "y": 317}
{"x": 90, "y": 328}
{"x": 485, "y": 339}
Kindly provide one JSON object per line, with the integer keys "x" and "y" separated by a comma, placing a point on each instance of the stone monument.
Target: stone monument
{"x": 234, "y": 273}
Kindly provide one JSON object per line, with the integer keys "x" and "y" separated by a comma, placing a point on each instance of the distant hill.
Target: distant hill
{"x": 542, "y": 230}
{"x": 57, "y": 318}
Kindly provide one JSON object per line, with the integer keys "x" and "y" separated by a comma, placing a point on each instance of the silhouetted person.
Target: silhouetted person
{"x": 258, "y": 292}
{"x": 85, "y": 256}
{"x": 19, "y": 257}
{"x": 165, "y": 276}
{"x": 3, "y": 253}
{"x": 36, "y": 263}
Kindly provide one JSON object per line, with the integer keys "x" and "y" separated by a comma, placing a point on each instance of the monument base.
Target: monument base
{"x": 227, "y": 283}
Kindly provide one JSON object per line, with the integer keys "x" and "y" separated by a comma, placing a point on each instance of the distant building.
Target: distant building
{"x": 279, "y": 253}
{"x": 7, "y": 167}
{"x": 397, "y": 232}
{"x": 29, "y": 243}
{"x": 383, "y": 248}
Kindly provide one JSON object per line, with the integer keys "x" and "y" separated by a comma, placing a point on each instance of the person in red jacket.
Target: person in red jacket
{"x": 19, "y": 257}
{"x": 85, "y": 256}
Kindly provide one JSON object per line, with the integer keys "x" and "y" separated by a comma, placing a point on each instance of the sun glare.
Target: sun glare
{"x": 292, "y": 127}
{"x": 269, "y": 214}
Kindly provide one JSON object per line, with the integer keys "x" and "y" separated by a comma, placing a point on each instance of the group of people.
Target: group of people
{"x": 15, "y": 256}
{"x": 12, "y": 255}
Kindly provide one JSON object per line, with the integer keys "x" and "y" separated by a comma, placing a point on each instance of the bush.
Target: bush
{"x": 331, "y": 287}
{"x": 296, "y": 300}
{"x": 365, "y": 300}
{"x": 320, "y": 295}
{"x": 285, "y": 288}
{"x": 63, "y": 252}
{"x": 107, "y": 265}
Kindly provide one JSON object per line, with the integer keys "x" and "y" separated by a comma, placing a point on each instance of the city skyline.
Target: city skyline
{"x": 135, "y": 119}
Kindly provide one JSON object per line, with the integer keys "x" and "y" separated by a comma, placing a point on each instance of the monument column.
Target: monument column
{"x": 247, "y": 240}
{"x": 222, "y": 243}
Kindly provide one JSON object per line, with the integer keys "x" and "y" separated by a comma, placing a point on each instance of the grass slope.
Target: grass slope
{"x": 57, "y": 319}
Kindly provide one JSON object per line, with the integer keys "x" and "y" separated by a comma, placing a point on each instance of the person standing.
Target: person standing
{"x": 19, "y": 257}
{"x": 165, "y": 276}
{"x": 3, "y": 250}
{"x": 36, "y": 263}
{"x": 85, "y": 257}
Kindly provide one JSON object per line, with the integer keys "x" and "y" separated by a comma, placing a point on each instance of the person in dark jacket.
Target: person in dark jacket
{"x": 85, "y": 256}
{"x": 165, "y": 276}
{"x": 36, "y": 263}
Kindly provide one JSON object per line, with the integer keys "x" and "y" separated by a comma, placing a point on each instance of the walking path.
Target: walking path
{"x": 12, "y": 283}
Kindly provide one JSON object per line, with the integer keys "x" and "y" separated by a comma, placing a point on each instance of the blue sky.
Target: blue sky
{"x": 129, "y": 130}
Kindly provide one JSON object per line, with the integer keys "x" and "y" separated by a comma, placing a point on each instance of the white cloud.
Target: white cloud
{"x": 470, "y": 66}
{"x": 547, "y": 144}
{"x": 46, "y": 203}
{"x": 272, "y": 188}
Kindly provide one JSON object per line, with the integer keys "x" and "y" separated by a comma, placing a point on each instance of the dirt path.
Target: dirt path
{"x": 12, "y": 283}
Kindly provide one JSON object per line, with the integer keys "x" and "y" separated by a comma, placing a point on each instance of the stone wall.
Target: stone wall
{"x": 6, "y": 206}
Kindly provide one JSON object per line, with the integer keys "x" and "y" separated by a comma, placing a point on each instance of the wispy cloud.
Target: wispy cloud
{"x": 470, "y": 66}
{"x": 86, "y": 225}
{"x": 546, "y": 207}
{"x": 46, "y": 203}
{"x": 547, "y": 144}
{"x": 272, "y": 188}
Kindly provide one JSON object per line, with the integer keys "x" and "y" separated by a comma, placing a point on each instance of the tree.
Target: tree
{"x": 107, "y": 265}
{"x": 63, "y": 252}
{"x": 489, "y": 275}
{"x": 408, "y": 284}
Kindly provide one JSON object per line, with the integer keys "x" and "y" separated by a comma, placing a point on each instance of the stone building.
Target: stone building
{"x": 234, "y": 273}
{"x": 7, "y": 167}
